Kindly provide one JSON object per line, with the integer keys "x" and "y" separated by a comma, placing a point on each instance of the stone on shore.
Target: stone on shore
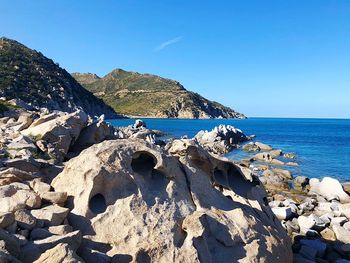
{"x": 58, "y": 133}
{"x": 6, "y": 219}
{"x": 52, "y": 215}
{"x": 282, "y": 213}
{"x": 61, "y": 253}
{"x": 328, "y": 188}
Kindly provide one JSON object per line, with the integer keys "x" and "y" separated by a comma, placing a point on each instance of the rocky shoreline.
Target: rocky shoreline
{"x": 315, "y": 213}
{"x": 76, "y": 189}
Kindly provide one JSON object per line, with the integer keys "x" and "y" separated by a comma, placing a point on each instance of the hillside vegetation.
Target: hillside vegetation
{"x": 28, "y": 75}
{"x": 136, "y": 94}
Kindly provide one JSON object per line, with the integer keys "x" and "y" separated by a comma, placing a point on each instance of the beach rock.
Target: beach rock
{"x": 10, "y": 243}
{"x": 54, "y": 197}
{"x": 328, "y": 234}
{"x": 160, "y": 208}
{"x": 300, "y": 182}
{"x": 58, "y": 133}
{"x": 18, "y": 199}
{"x": 40, "y": 233}
{"x": 39, "y": 187}
{"x": 274, "y": 183}
{"x": 338, "y": 220}
{"x": 60, "y": 230}
{"x": 6, "y": 257}
{"x": 328, "y": 188}
{"x": 289, "y": 155}
{"x": 250, "y": 147}
{"x": 347, "y": 226}
{"x": 269, "y": 156}
{"x": 33, "y": 250}
{"x": 28, "y": 164}
{"x": 139, "y": 124}
{"x": 221, "y": 139}
{"x": 24, "y": 219}
{"x": 6, "y": 219}
{"x": 316, "y": 244}
{"x": 292, "y": 226}
{"x": 263, "y": 147}
{"x": 292, "y": 164}
{"x": 308, "y": 252}
{"x": 11, "y": 175}
{"x": 341, "y": 233}
{"x": 52, "y": 215}
{"x": 61, "y": 253}
{"x": 22, "y": 142}
{"x": 282, "y": 213}
{"x": 92, "y": 134}
{"x": 285, "y": 174}
{"x": 306, "y": 222}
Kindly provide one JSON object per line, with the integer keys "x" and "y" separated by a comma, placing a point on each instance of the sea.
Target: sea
{"x": 322, "y": 146}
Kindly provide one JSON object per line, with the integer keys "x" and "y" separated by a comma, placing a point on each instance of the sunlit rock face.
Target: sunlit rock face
{"x": 135, "y": 201}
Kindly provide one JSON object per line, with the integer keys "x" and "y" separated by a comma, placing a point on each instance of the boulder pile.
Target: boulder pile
{"x": 77, "y": 190}
{"x": 314, "y": 212}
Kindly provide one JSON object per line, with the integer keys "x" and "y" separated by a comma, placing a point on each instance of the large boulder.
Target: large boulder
{"x": 57, "y": 134}
{"x": 94, "y": 133}
{"x": 221, "y": 139}
{"x": 62, "y": 253}
{"x": 136, "y": 201}
{"x": 329, "y": 188}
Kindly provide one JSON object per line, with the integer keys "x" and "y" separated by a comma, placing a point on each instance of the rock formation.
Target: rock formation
{"x": 221, "y": 139}
{"x": 131, "y": 199}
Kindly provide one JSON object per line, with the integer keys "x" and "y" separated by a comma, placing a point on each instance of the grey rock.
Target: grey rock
{"x": 6, "y": 219}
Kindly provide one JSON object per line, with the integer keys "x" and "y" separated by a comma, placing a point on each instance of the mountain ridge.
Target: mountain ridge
{"x": 148, "y": 95}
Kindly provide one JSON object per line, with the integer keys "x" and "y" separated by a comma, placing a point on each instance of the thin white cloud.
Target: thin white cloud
{"x": 168, "y": 43}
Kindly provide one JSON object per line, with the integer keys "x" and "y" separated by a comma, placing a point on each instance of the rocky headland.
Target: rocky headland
{"x": 146, "y": 95}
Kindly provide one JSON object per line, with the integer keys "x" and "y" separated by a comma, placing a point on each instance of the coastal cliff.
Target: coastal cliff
{"x": 147, "y": 95}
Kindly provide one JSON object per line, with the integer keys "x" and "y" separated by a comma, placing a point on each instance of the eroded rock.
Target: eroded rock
{"x": 154, "y": 206}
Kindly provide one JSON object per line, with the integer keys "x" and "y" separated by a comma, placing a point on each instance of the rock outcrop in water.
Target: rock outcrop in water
{"x": 221, "y": 139}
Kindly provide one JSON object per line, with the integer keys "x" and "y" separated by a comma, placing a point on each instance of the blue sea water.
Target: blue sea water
{"x": 322, "y": 145}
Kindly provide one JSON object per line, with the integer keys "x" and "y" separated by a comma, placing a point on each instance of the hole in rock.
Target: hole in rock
{"x": 220, "y": 177}
{"x": 143, "y": 162}
{"x": 97, "y": 204}
{"x": 238, "y": 183}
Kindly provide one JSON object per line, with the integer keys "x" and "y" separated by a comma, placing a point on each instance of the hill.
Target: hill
{"x": 37, "y": 80}
{"x": 136, "y": 94}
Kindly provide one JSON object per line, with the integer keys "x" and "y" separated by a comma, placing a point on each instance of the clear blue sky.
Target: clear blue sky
{"x": 263, "y": 58}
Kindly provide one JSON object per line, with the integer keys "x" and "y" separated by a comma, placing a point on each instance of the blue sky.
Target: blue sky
{"x": 277, "y": 58}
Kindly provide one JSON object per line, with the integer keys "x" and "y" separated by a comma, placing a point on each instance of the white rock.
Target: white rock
{"x": 135, "y": 196}
{"x": 341, "y": 233}
{"x": 282, "y": 213}
{"x": 329, "y": 188}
